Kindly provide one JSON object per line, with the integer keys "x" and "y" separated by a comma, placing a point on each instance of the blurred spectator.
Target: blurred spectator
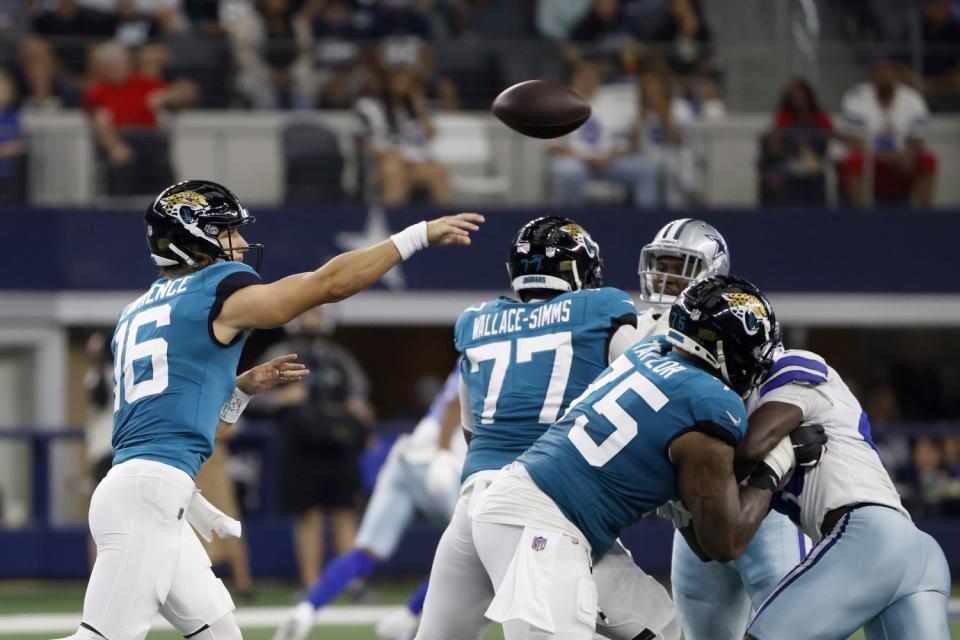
{"x": 324, "y": 423}
{"x": 931, "y": 484}
{"x": 274, "y": 68}
{"x": 132, "y": 26}
{"x": 951, "y": 456}
{"x": 556, "y": 19}
{"x": 70, "y": 18}
{"x": 941, "y": 54}
{"x": 333, "y": 73}
{"x": 684, "y": 35}
{"x": 124, "y": 108}
{"x": 12, "y": 148}
{"x": 604, "y": 148}
{"x": 167, "y": 14}
{"x": 666, "y": 121}
{"x": 886, "y": 121}
{"x": 397, "y": 128}
{"x": 606, "y": 22}
{"x": 98, "y": 431}
{"x": 397, "y": 18}
{"x": 43, "y": 84}
{"x": 203, "y": 17}
{"x": 792, "y": 153}
{"x": 492, "y": 19}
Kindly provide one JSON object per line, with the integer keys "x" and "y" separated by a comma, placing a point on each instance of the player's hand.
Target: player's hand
{"x": 809, "y": 444}
{"x": 675, "y": 511}
{"x": 453, "y": 229}
{"x": 268, "y": 375}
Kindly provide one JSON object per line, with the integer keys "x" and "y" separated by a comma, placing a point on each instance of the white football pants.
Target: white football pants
{"x": 149, "y": 560}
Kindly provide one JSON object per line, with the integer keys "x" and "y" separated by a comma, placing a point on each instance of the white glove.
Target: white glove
{"x": 772, "y": 472}
{"x": 674, "y": 510}
{"x": 207, "y": 520}
{"x": 443, "y": 474}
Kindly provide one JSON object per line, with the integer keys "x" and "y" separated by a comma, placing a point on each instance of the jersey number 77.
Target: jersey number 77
{"x": 502, "y": 354}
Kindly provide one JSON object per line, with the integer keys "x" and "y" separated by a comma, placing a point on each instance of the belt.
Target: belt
{"x": 833, "y": 516}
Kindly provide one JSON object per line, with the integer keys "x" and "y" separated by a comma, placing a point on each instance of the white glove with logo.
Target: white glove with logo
{"x": 443, "y": 474}
{"x": 207, "y": 520}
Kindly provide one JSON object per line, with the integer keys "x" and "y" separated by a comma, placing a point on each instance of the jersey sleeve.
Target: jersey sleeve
{"x": 720, "y": 413}
{"x": 462, "y": 327}
{"x": 615, "y": 309}
{"x": 793, "y": 379}
{"x": 222, "y": 281}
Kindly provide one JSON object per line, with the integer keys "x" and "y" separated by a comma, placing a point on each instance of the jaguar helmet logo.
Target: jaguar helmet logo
{"x": 185, "y": 205}
{"x": 582, "y": 238}
{"x": 750, "y": 310}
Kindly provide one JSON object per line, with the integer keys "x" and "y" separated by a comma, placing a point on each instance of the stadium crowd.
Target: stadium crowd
{"x": 648, "y": 67}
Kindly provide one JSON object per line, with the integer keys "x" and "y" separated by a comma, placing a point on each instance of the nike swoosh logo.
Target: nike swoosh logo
{"x": 735, "y": 421}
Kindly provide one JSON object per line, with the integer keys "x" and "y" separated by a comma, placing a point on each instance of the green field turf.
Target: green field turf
{"x": 65, "y": 597}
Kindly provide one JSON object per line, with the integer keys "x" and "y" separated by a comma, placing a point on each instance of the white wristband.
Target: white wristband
{"x": 234, "y": 406}
{"x": 411, "y": 239}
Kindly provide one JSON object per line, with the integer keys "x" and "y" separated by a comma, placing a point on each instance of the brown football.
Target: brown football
{"x": 541, "y": 109}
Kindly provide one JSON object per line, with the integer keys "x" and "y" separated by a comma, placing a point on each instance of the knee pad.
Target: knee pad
{"x": 223, "y": 629}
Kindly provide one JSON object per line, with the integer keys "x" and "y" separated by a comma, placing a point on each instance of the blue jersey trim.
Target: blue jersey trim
{"x": 784, "y": 379}
{"x": 798, "y": 361}
{"x": 866, "y": 432}
{"x": 816, "y": 554}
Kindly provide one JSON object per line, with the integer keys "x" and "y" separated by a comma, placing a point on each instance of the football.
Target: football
{"x": 541, "y": 109}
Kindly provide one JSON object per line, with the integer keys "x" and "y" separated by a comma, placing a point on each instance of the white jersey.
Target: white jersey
{"x": 653, "y": 322}
{"x": 850, "y": 471}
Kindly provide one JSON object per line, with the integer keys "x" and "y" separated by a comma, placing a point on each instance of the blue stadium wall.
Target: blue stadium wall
{"x": 783, "y": 250}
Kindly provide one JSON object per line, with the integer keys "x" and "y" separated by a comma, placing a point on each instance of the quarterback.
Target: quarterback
{"x": 175, "y": 350}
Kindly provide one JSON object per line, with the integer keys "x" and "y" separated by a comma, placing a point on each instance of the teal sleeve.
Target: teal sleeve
{"x": 720, "y": 410}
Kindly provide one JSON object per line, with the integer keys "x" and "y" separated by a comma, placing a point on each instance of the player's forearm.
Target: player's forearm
{"x": 340, "y": 278}
{"x": 768, "y": 425}
{"x": 725, "y": 533}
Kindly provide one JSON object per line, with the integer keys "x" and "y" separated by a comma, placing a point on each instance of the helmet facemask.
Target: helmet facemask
{"x": 654, "y": 279}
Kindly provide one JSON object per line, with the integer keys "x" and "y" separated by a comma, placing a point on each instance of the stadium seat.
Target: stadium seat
{"x": 313, "y": 164}
{"x": 463, "y": 145}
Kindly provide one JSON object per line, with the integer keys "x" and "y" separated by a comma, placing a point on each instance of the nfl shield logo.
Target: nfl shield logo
{"x": 539, "y": 542}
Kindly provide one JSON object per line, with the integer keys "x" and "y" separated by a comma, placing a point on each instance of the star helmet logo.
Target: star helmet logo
{"x": 185, "y": 205}
{"x": 582, "y": 238}
{"x": 750, "y": 310}
{"x": 720, "y": 242}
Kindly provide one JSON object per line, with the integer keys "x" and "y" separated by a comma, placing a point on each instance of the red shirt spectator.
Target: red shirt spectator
{"x": 127, "y": 100}
{"x": 799, "y": 107}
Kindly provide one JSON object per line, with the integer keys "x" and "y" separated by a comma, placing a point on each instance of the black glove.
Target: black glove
{"x": 809, "y": 444}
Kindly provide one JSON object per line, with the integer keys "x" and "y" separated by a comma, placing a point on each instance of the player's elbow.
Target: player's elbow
{"x": 723, "y": 548}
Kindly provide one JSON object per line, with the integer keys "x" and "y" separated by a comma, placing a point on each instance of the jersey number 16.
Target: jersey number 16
{"x": 128, "y": 351}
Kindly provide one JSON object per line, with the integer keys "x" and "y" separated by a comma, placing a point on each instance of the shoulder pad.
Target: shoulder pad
{"x": 795, "y": 365}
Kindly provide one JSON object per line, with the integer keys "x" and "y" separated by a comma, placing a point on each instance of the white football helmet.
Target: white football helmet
{"x": 699, "y": 246}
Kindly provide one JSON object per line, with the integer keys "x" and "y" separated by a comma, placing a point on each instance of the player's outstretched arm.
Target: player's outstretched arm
{"x": 275, "y": 304}
{"x": 725, "y": 516}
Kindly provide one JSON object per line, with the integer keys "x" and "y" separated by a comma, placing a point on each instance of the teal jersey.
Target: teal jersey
{"x": 524, "y": 362}
{"x": 171, "y": 375}
{"x": 605, "y": 463}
